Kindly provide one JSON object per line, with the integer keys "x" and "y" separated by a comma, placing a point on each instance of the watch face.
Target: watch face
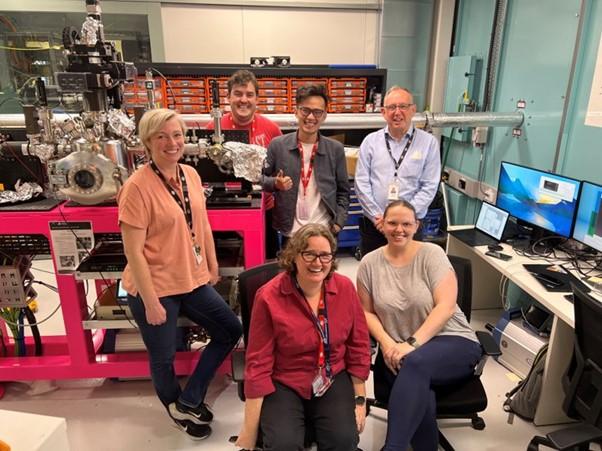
{"x": 360, "y": 400}
{"x": 411, "y": 341}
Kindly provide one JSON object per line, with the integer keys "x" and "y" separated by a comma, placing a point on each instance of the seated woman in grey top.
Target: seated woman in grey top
{"x": 408, "y": 290}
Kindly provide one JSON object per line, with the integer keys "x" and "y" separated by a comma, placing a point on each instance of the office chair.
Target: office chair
{"x": 249, "y": 282}
{"x": 463, "y": 399}
{"x": 582, "y": 382}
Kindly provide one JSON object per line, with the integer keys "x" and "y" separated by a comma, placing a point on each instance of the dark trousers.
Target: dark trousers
{"x": 205, "y": 307}
{"x": 371, "y": 238}
{"x": 285, "y": 416}
{"x": 412, "y": 407}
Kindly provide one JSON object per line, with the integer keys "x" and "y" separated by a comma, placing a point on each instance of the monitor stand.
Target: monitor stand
{"x": 535, "y": 240}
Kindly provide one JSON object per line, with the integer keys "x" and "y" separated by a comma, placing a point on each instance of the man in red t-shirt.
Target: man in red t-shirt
{"x": 242, "y": 97}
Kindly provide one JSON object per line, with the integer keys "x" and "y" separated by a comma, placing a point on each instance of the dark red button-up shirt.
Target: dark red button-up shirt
{"x": 283, "y": 338}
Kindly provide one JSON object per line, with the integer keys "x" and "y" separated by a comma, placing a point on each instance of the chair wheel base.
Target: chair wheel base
{"x": 478, "y": 423}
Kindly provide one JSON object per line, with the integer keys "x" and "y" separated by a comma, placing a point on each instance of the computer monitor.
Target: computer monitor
{"x": 588, "y": 222}
{"x": 543, "y": 199}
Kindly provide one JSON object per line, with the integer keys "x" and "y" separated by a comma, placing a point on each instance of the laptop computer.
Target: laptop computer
{"x": 488, "y": 229}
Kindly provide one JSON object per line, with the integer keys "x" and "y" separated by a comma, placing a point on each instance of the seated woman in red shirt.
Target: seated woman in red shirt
{"x": 308, "y": 353}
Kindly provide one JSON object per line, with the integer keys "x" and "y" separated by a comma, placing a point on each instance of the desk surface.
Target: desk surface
{"x": 485, "y": 281}
{"x": 514, "y": 270}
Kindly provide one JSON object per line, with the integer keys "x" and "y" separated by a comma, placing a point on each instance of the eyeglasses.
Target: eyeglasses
{"x": 310, "y": 256}
{"x": 402, "y": 106}
{"x": 304, "y": 111}
{"x": 404, "y": 225}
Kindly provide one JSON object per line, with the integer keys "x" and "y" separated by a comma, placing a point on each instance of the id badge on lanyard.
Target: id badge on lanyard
{"x": 323, "y": 378}
{"x": 393, "y": 190}
{"x": 196, "y": 250}
{"x": 302, "y": 208}
{"x": 321, "y": 383}
{"x": 394, "y": 186}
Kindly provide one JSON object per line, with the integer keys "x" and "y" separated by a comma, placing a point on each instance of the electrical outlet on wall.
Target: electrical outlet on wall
{"x": 469, "y": 186}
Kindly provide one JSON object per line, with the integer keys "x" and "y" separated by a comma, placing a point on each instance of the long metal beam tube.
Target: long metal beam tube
{"x": 481, "y": 119}
{"x": 345, "y": 121}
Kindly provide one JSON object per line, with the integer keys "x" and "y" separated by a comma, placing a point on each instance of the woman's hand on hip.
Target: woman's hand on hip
{"x": 360, "y": 417}
{"x": 155, "y": 314}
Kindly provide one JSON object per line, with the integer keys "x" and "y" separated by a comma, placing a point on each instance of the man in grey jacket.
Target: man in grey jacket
{"x": 306, "y": 170}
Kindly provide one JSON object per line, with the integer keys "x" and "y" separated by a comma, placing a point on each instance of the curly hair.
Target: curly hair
{"x": 298, "y": 243}
{"x": 242, "y": 77}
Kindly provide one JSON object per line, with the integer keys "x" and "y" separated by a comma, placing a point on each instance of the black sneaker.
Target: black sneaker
{"x": 194, "y": 431}
{"x": 199, "y": 415}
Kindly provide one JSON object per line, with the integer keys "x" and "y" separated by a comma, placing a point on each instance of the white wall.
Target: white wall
{"x": 233, "y": 34}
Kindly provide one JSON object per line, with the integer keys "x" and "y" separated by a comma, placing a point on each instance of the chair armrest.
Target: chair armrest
{"x": 490, "y": 347}
{"x": 238, "y": 365}
{"x": 575, "y": 435}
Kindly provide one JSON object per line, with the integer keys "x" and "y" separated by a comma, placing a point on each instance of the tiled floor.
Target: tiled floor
{"x": 125, "y": 415}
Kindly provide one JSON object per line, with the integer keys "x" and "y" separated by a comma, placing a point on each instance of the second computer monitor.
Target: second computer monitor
{"x": 540, "y": 198}
{"x": 588, "y": 222}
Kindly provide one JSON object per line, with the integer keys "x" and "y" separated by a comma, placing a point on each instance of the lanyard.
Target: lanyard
{"x": 321, "y": 323}
{"x": 184, "y": 206}
{"x": 403, "y": 153}
{"x": 304, "y": 178}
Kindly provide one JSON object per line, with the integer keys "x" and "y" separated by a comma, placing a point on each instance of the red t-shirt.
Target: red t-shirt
{"x": 284, "y": 341}
{"x": 261, "y": 129}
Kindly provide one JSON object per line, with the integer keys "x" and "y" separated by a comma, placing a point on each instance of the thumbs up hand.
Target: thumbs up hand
{"x": 283, "y": 182}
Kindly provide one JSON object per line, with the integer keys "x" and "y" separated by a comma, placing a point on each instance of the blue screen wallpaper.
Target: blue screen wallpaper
{"x": 520, "y": 193}
{"x": 588, "y": 223}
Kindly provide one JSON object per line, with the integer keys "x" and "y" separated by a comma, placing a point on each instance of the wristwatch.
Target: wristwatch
{"x": 413, "y": 342}
{"x": 360, "y": 400}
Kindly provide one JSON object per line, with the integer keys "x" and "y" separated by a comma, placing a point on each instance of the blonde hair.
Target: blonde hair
{"x": 153, "y": 121}
{"x": 298, "y": 243}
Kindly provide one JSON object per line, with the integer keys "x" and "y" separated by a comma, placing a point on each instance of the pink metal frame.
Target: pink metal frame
{"x": 75, "y": 355}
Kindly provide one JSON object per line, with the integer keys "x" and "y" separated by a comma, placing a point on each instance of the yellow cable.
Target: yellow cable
{"x": 33, "y": 49}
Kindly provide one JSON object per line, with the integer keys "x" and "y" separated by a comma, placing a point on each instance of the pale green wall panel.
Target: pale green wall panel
{"x": 582, "y": 151}
{"x": 405, "y": 44}
{"x": 534, "y": 65}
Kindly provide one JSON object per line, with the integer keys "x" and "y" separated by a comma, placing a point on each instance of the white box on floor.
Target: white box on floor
{"x": 29, "y": 432}
{"x": 519, "y": 345}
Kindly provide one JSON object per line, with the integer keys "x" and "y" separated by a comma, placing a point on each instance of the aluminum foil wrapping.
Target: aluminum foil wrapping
{"x": 247, "y": 159}
{"x": 23, "y": 191}
{"x": 43, "y": 151}
{"x": 120, "y": 124}
{"x": 89, "y": 34}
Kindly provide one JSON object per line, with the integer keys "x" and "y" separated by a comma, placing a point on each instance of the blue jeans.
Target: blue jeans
{"x": 412, "y": 416}
{"x": 205, "y": 307}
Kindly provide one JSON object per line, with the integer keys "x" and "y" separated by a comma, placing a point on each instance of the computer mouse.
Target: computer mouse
{"x": 495, "y": 247}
